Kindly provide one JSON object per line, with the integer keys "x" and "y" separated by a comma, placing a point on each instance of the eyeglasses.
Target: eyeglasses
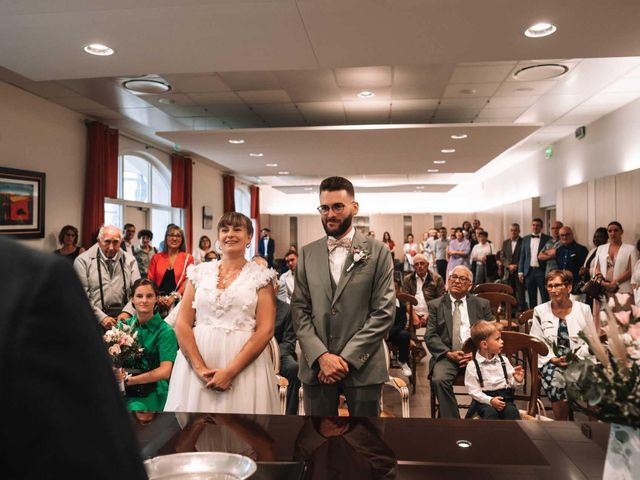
{"x": 457, "y": 278}
{"x": 174, "y": 235}
{"x": 336, "y": 207}
{"x": 552, "y": 286}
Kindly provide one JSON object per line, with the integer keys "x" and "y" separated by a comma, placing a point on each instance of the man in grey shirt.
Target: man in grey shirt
{"x": 106, "y": 274}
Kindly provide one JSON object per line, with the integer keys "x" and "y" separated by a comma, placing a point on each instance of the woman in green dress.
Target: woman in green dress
{"x": 160, "y": 347}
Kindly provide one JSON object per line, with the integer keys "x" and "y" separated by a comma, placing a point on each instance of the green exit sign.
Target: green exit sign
{"x": 548, "y": 152}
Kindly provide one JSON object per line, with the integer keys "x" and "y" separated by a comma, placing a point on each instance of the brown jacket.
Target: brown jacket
{"x": 432, "y": 287}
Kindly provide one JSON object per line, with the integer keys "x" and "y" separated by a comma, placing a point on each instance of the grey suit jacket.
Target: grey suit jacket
{"x": 353, "y": 321}
{"x": 440, "y": 323}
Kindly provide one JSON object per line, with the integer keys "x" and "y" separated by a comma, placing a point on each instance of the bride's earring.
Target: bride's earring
{"x": 248, "y": 245}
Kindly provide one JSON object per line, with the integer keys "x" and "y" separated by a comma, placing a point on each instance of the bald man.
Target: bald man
{"x": 570, "y": 255}
{"x": 548, "y": 253}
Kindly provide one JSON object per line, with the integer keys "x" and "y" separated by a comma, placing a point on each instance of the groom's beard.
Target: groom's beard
{"x": 342, "y": 228}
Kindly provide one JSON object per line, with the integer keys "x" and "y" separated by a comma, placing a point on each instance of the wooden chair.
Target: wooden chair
{"x": 525, "y": 319}
{"x": 516, "y": 344}
{"x": 397, "y": 384}
{"x": 457, "y": 382}
{"x": 416, "y": 351}
{"x": 283, "y": 383}
{"x": 493, "y": 288}
{"x": 501, "y": 307}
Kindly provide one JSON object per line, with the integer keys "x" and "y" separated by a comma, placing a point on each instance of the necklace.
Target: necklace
{"x": 224, "y": 280}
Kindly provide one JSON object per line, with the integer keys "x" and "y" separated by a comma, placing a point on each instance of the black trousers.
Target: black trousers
{"x": 535, "y": 282}
{"x": 488, "y": 412}
{"x": 400, "y": 338}
{"x": 441, "y": 267}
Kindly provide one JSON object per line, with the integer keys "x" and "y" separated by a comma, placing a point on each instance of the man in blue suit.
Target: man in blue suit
{"x": 531, "y": 270}
{"x": 267, "y": 246}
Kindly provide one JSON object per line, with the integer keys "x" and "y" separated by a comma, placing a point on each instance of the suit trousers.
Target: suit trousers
{"x": 289, "y": 370}
{"x": 444, "y": 373}
{"x": 518, "y": 289}
{"x": 323, "y": 400}
{"x": 441, "y": 267}
{"x": 535, "y": 282}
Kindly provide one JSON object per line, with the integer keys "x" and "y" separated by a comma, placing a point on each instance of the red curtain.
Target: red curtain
{"x": 181, "y": 192}
{"x": 255, "y": 210}
{"x": 228, "y": 193}
{"x": 101, "y": 178}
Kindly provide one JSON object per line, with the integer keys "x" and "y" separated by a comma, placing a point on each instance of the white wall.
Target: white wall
{"x": 38, "y": 135}
{"x": 207, "y": 190}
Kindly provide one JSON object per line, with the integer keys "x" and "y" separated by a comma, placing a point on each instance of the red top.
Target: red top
{"x": 160, "y": 263}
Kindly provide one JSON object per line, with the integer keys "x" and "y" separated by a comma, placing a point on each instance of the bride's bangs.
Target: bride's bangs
{"x": 235, "y": 219}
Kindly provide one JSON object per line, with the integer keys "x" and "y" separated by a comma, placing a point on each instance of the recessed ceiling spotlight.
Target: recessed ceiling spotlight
{"x": 543, "y": 71}
{"x": 167, "y": 101}
{"x": 366, "y": 94}
{"x": 420, "y": 187}
{"x": 459, "y": 136}
{"x": 283, "y": 173}
{"x": 147, "y": 85}
{"x": 439, "y": 162}
{"x": 469, "y": 91}
{"x": 463, "y": 443}
{"x": 236, "y": 141}
{"x": 448, "y": 150}
{"x": 308, "y": 189}
{"x": 256, "y": 154}
{"x": 98, "y": 49}
{"x": 541, "y": 29}
{"x": 271, "y": 164}
{"x": 433, "y": 170}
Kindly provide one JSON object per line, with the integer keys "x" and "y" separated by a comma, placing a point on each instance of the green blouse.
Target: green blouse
{"x": 160, "y": 345}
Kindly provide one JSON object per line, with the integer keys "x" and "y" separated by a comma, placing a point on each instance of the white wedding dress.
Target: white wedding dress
{"x": 224, "y": 322}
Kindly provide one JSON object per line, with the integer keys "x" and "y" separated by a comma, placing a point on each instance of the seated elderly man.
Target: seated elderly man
{"x": 449, "y": 326}
{"x": 430, "y": 286}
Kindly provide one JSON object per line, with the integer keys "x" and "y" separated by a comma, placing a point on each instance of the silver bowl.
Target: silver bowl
{"x": 200, "y": 466}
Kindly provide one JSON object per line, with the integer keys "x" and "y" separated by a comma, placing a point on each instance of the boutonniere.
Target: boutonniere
{"x": 358, "y": 256}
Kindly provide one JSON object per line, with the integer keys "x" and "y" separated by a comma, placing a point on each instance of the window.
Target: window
{"x": 144, "y": 183}
{"x": 242, "y": 197}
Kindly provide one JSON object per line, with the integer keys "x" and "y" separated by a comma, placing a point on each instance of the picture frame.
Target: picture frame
{"x": 207, "y": 218}
{"x": 22, "y": 203}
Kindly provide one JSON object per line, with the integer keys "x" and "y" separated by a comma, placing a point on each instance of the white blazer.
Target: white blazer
{"x": 625, "y": 253}
{"x": 545, "y": 327}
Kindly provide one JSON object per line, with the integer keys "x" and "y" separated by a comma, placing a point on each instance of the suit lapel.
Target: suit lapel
{"x": 359, "y": 242}
{"x": 321, "y": 254}
{"x": 448, "y": 315}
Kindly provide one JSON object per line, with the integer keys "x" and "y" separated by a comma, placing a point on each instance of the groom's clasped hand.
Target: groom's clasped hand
{"x": 333, "y": 368}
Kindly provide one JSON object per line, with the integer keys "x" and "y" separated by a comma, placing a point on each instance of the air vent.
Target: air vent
{"x": 540, "y": 72}
{"x": 154, "y": 86}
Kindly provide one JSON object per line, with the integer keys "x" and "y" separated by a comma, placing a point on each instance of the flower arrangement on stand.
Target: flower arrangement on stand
{"x": 123, "y": 347}
{"x": 608, "y": 388}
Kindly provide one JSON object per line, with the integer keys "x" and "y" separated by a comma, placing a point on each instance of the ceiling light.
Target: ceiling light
{"x": 98, "y": 49}
{"x": 543, "y": 71}
{"x": 236, "y": 141}
{"x": 540, "y": 30}
{"x": 420, "y": 187}
{"x": 308, "y": 189}
{"x": 448, "y": 150}
{"x": 469, "y": 91}
{"x": 366, "y": 94}
{"x": 463, "y": 443}
{"x": 439, "y": 162}
{"x": 146, "y": 85}
{"x": 459, "y": 136}
{"x": 256, "y": 154}
{"x": 271, "y": 164}
{"x": 433, "y": 170}
{"x": 283, "y": 173}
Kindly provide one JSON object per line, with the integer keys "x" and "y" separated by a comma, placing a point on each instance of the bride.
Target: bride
{"x": 222, "y": 365}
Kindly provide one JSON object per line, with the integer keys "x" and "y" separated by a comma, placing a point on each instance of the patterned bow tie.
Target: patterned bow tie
{"x": 332, "y": 243}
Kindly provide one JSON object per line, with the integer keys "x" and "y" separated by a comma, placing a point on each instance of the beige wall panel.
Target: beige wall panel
{"x": 206, "y": 190}
{"x": 605, "y": 198}
{"x": 591, "y": 209}
{"x": 389, "y": 223}
{"x": 575, "y": 211}
{"x": 628, "y": 204}
{"x": 309, "y": 229}
{"x": 279, "y": 225}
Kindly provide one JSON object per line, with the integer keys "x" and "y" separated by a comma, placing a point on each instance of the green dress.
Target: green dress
{"x": 160, "y": 345}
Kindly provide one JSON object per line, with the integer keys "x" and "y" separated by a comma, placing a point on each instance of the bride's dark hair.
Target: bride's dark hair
{"x": 236, "y": 219}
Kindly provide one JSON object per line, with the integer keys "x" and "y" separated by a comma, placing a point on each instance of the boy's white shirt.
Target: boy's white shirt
{"x": 492, "y": 376}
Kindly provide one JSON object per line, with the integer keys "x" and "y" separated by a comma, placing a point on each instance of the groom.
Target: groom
{"x": 343, "y": 305}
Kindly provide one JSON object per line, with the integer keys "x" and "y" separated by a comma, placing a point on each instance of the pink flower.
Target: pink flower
{"x": 623, "y": 317}
{"x": 634, "y": 331}
{"x": 623, "y": 298}
{"x": 635, "y": 310}
{"x": 114, "y": 350}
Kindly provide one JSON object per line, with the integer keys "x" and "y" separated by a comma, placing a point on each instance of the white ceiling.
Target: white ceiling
{"x": 267, "y": 64}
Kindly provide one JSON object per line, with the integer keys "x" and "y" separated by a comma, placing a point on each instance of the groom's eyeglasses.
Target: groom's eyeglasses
{"x": 336, "y": 207}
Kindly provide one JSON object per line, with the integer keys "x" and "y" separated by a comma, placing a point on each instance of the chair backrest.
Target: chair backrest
{"x": 406, "y": 298}
{"x": 501, "y": 305}
{"x": 493, "y": 288}
{"x": 525, "y": 319}
{"x": 531, "y": 348}
{"x": 274, "y": 349}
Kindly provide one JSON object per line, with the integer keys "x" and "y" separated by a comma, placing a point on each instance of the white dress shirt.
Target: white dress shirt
{"x": 465, "y": 324}
{"x": 492, "y": 377}
{"x": 535, "y": 243}
{"x": 338, "y": 257}
{"x": 421, "y": 307}
{"x": 286, "y": 284}
{"x": 265, "y": 241}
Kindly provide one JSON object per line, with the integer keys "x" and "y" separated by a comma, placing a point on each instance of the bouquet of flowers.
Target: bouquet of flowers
{"x": 609, "y": 389}
{"x": 123, "y": 346}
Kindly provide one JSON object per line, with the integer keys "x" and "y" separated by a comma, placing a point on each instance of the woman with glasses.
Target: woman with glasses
{"x": 614, "y": 261}
{"x": 557, "y": 323}
{"x": 68, "y": 238}
{"x": 169, "y": 269}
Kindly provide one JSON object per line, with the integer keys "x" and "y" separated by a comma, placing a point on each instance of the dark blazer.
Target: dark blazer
{"x": 284, "y": 329}
{"x": 525, "y": 253}
{"x": 62, "y": 409}
{"x": 572, "y": 257}
{"x": 271, "y": 249}
{"x": 432, "y": 287}
{"x": 440, "y": 323}
{"x": 510, "y": 257}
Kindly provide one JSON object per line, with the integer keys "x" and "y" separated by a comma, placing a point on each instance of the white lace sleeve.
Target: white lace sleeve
{"x": 263, "y": 275}
{"x": 194, "y": 273}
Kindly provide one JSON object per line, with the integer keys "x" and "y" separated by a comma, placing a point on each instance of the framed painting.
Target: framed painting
{"x": 22, "y": 201}
{"x": 207, "y": 218}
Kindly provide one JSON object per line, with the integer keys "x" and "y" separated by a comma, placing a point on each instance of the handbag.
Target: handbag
{"x": 140, "y": 390}
{"x": 593, "y": 287}
{"x": 164, "y": 313}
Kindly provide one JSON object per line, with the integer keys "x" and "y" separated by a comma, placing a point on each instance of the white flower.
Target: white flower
{"x": 358, "y": 256}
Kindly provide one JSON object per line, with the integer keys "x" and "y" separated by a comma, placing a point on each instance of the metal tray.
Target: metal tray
{"x": 200, "y": 466}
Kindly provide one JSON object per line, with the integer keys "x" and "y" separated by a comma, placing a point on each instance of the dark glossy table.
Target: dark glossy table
{"x": 291, "y": 447}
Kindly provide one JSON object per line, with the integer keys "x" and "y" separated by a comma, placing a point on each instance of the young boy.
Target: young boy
{"x": 490, "y": 378}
